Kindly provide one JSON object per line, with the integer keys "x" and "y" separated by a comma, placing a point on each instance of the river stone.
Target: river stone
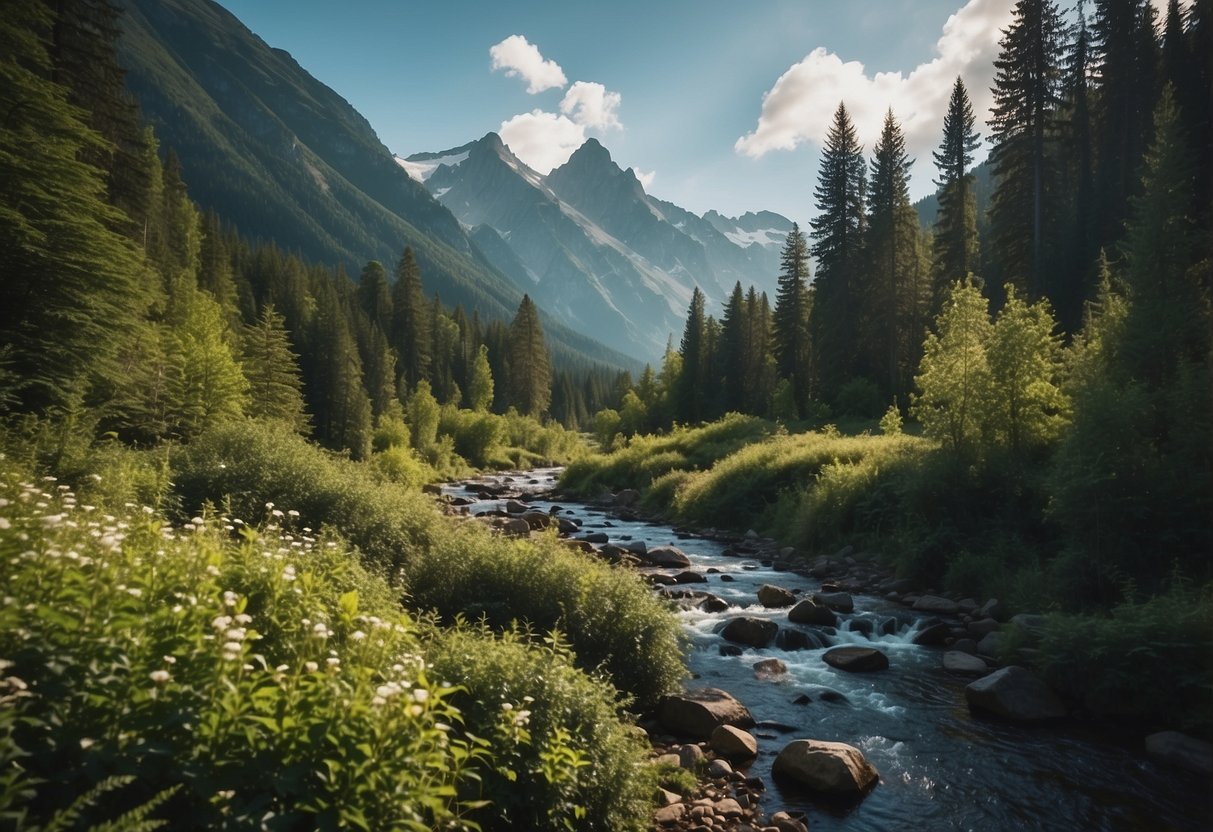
{"x": 770, "y": 595}
{"x": 856, "y": 659}
{"x": 733, "y": 743}
{"x": 936, "y": 605}
{"x": 809, "y": 611}
{"x": 1014, "y": 693}
{"x": 718, "y": 769}
{"x": 566, "y": 526}
{"x": 790, "y": 639}
{"x": 516, "y": 527}
{"x": 990, "y": 644}
{"x": 769, "y": 667}
{"x": 756, "y": 632}
{"x": 627, "y": 497}
{"x": 697, "y": 712}
{"x": 994, "y": 609}
{"x": 690, "y": 576}
{"x": 537, "y": 519}
{"x": 837, "y": 601}
{"x": 932, "y": 635}
{"x": 982, "y": 627}
{"x": 669, "y": 815}
{"x": 1180, "y": 750}
{"x": 784, "y": 822}
{"x": 636, "y": 547}
{"x": 668, "y": 556}
{"x": 690, "y": 756}
{"x": 832, "y": 768}
{"x": 515, "y": 507}
{"x": 596, "y": 537}
{"x": 955, "y": 661}
{"x": 711, "y": 603}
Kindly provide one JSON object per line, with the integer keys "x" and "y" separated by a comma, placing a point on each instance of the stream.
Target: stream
{"x": 940, "y": 767}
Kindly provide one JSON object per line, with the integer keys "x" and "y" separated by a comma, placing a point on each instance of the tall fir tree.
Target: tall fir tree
{"x": 530, "y": 380}
{"x": 792, "y": 346}
{"x": 272, "y": 370}
{"x": 734, "y": 357}
{"x": 690, "y": 394}
{"x": 837, "y": 248}
{"x": 956, "y": 244}
{"x": 1080, "y": 245}
{"x": 375, "y": 296}
{"x": 410, "y": 333}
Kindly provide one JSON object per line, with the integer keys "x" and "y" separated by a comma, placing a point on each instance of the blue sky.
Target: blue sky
{"x": 719, "y": 104}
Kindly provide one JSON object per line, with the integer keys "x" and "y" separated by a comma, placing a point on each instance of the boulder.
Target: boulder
{"x": 769, "y": 667}
{"x": 955, "y": 661}
{"x": 936, "y": 605}
{"x": 994, "y": 609}
{"x": 809, "y": 611}
{"x": 669, "y": 815}
{"x": 791, "y": 639}
{"x": 856, "y": 659}
{"x": 1182, "y": 751}
{"x": 990, "y": 644}
{"x": 785, "y": 822}
{"x": 775, "y": 596}
{"x": 1014, "y": 693}
{"x": 837, "y": 601}
{"x": 515, "y": 507}
{"x": 830, "y": 768}
{"x": 665, "y": 556}
{"x": 756, "y": 632}
{"x": 636, "y": 547}
{"x": 982, "y": 627}
{"x": 690, "y": 756}
{"x": 716, "y": 770}
{"x": 733, "y": 743}
{"x": 932, "y": 635}
{"x": 698, "y": 712}
{"x": 537, "y": 519}
{"x": 690, "y": 576}
{"x": 566, "y": 526}
{"x": 711, "y": 603}
{"x": 596, "y": 537}
{"x": 516, "y": 527}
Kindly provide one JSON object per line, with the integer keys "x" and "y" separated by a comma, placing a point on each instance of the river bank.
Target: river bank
{"x": 912, "y": 720}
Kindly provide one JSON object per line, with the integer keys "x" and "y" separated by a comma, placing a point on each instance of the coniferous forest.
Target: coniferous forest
{"x": 229, "y": 598}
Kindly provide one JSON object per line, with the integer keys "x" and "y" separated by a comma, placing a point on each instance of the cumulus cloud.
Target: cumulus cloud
{"x": 520, "y": 58}
{"x": 542, "y": 140}
{"x": 589, "y": 104}
{"x": 801, "y": 104}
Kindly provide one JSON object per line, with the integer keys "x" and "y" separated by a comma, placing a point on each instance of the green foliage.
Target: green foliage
{"x": 607, "y": 423}
{"x": 477, "y": 435}
{"x": 890, "y": 422}
{"x": 859, "y": 397}
{"x": 401, "y": 465}
{"x": 530, "y": 374}
{"x": 272, "y": 370}
{"x": 480, "y": 385}
{"x": 561, "y": 757}
{"x": 423, "y": 414}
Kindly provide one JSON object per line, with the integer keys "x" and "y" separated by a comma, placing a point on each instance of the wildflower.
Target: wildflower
{"x": 5, "y": 524}
{"x": 320, "y": 630}
{"x": 160, "y": 677}
{"x": 244, "y": 618}
{"x": 222, "y": 622}
{"x": 293, "y": 513}
{"x": 212, "y": 570}
{"x": 229, "y": 598}
{"x": 333, "y": 661}
{"x": 170, "y": 659}
{"x": 421, "y": 694}
{"x": 311, "y": 667}
{"x": 86, "y": 743}
{"x": 357, "y": 635}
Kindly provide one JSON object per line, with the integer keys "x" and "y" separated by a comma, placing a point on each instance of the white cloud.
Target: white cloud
{"x": 588, "y": 103}
{"x": 801, "y": 104}
{"x": 520, "y": 58}
{"x": 542, "y": 140}
{"x": 646, "y": 177}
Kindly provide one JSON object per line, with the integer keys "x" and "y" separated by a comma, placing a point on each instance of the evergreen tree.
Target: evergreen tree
{"x": 215, "y": 272}
{"x": 837, "y": 249}
{"x": 480, "y": 385}
{"x": 690, "y": 392}
{"x": 409, "y": 332}
{"x": 70, "y": 284}
{"x": 734, "y": 358}
{"x": 761, "y": 369}
{"x": 1027, "y": 86}
{"x": 205, "y": 384}
{"x": 334, "y": 388}
{"x": 792, "y": 348}
{"x": 530, "y": 380}
{"x": 379, "y": 371}
{"x": 374, "y": 295}
{"x": 445, "y": 346}
{"x": 272, "y": 370}
{"x": 423, "y": 413}
{"x": 955, "y": 245}
{"x": 1080, "y": 244}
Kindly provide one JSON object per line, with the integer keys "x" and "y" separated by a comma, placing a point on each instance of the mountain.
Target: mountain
{"x": 593, "y": 246}
{"x": 285, "y": 158}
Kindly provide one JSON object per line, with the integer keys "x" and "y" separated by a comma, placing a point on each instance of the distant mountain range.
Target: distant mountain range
{"x": 591, "y": 246}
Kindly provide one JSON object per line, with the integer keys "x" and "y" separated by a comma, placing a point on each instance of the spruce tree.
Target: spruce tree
{"x": 837, "y": 249}
{"x": 734, "y": 357}
{"x": 374, "y": 295}
{"x": 1027, "y": 86}
{"x": 791, "y": 347}
{"x": 956, "y": 245}
{"x": 530, "y": 382}
{"x": 410, "y": 333}
{"x": 272, "y": 370}
{"x": 690, "y": 393}
{"x": 1081, "y": 242}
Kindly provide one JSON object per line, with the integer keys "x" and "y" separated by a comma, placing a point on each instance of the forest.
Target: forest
{"x": 227, "y": 600}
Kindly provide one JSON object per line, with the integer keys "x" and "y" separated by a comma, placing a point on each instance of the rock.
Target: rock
{"x": 751, "y": 535}
{"x": 981, "y": 628}
{"x": 775, "y": 596}
{"x": 1014, "y": 693}
{"x": 711, "y": 603}
{"x": 566, "y": 526}
{"x": 831, "y": 768}
{"x": 666, "y": 556}
{"x": 932, "y": 635}
{"x": 769, "y": 667}
{"x": 516, "y": 527}
{"x": 727, "y": 578}
{"x": 515, "y": 507}
{"x": 627, "y": 497}
{"x": 537, "y": 519}
{"x": 756, "y": 632}
{"x": 791, "y": 639}
{"x": 668, "y": 798}
{"x": 856, "y": 659}
{"x": 936, "y": 604}
{"x": 809, "y": 611}
{"x": 596, "y": 537}
{"x": 696, "y": 713}
{"x": 730, "y": 650}
{"x": 990, "y": 645}
{"x": 669, "y": 815}
{"x": 994, "y": 609}
{"x": 689, "y": 756}
{"x": 690, "y": 576}
{"x": 728, "y": 807}
{"x": 784, "y": 822}
{"x": 1182, "y": 751}
{"x": 733, "y": 743}
{"x": 636, "y": 547}
{"x": 965, "y": 645}
{"x": 954, "y": 661}
{"x": 837, "y": 601}
{"x": 720, "y": 768}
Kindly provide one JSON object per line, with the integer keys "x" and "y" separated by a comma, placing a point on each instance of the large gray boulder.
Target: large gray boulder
{"x": 809, "y": 611}
{"x": 954, "y": 661}
{"x": 837, "y": 601}
{"x": 856, "y": 659}
{"x": 665, "y": 556}
{"x": 756, "y": 632}
{"x": 830, "y": 768}
{"x": 1014, "y": 693}
{"x": 770, "y": 595}
{"x": 698, "y": 712}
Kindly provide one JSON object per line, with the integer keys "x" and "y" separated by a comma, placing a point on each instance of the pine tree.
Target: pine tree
{"x": 272, "y": 370}
{"x": 956, "y": 245}
{"x": 409, "y": 332}
{"x": 335, "y": 394}
{"x": 761, "y": 370}
{"x": 205, "y": 384}
{"x": 445, "y": 346}
{"x": 734, "y": 357}
{"x": 837, "y": 249}
{"x": 1027, "y": 86}
{"x": 792, "y": 348}
{"x": 374, "y": 295}
{"x": 530, "y": 380}
{"x": 480, "y": 385}
{"x": 690, "y": 392}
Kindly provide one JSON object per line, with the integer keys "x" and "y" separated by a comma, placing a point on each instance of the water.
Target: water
{"x": 940, "y": 768}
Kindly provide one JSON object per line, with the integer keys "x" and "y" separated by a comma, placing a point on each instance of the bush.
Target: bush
{"x": 400, "y": 465}
{"x": 562, "y": 759}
